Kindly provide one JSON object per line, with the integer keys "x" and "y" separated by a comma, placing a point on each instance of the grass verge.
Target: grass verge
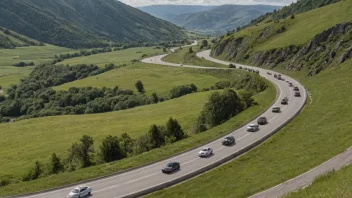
{"x": 321, "y": 131}
{"x": 10, "y": 75}
{"x": 99, "y": 125}
{"x": 333, "y": 184}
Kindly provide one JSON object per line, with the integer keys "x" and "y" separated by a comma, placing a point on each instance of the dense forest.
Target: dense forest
{"x": 10, "y": 40}
{"x": 84, "y": 23}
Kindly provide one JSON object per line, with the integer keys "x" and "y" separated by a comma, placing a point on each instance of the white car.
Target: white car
{"x": 205, "y": 152}
{"x": 253, "y": 127}
{"x": 79, "y": 192}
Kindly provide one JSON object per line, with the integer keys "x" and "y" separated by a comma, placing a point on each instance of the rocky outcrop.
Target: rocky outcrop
{"x": 328, "y": 48}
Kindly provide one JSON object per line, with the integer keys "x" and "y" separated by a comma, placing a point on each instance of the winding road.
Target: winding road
{"x": 146, "y": 179}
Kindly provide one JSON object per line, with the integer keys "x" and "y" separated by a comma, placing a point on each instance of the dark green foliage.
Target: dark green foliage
{"x": 110, "y": 149}
{"x": 293, "y": 16}
{"x": 126, "y": 143}
{"x": 205, "y": 43}
{"x": 174, "y": 129}
{"x": 221, "y": 107}
{"x": 34, "y": 173}
{"x": 6, "y": 41}
{"x": 82, "y": 152}
{"x": 156, "y": 136}
{"x": 190, "y": 50}
{"x": 23, "y": 64}
{"x": 55, "y": 165}
{"x": 4, "y": 182}
{"x": 139, "y": 86}
{"x": 154, "y": 98}
{"x": 182, "y": 90}
{"x": 84, "y": 23}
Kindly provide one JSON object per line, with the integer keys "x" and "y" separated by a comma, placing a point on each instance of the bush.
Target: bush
{"x": 55, "y": 165}
{"x": 110, "y": 149}
{"x": 82, "y": 152}
{"x": 34, "y": 173}
{"x": 139, "y": 86}
{"x": 182, "y": 90}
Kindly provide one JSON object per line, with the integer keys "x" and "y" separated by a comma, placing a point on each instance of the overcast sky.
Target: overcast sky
{"x": 136, "y": 3}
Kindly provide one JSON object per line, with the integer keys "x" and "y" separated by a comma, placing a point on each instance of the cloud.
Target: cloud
{"x": 136, "y": 3}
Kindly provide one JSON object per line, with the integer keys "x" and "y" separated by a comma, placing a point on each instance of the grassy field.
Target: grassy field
{"x": 11, "y": 75}
{"x": 116, "y": 57}
{"x": 159, "y": 79}
{"x": 37, "y": 54}
{"x": 37, "y": 137}
{"x": 333, "y": 184}
{"x": 321, "y": 131}
{"x": 184, "y": 57}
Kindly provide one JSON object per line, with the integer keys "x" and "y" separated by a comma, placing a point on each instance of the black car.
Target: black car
{"x": 297, "y": 94}
{"x": 171, "y": 167}
{"x": 262, "y": 121}
{"x": 284, "y": 101}
{"x": 228, "y": 140}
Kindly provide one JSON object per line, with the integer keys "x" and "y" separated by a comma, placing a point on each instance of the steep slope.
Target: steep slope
{"x": 223, "y": 18}
{"x": 84, "y": 23}
{"x": 169, "y": 12}
{"x": 10, "y": 40}
{"x": 310, "y": 41}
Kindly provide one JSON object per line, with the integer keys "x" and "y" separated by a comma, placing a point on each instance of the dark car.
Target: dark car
{"x": 297, "y": 94}
{"x": 232, "y": 65}
{"x": 295, "y": 89}
{"x": 275, "y": 75}
{"x": 276, "y": 110}
{"x": 284, "y": 101}
{"x": 262, "y": 121}
{"x": 228, "y": 140}
{"x": 171, "y": 167}
{"x": 268, "y": 73}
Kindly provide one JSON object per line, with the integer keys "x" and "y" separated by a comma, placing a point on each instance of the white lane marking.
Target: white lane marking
{"x": 114, "y": 186}
{"x": 220, "y": 148}
{"x": 190, "y": 161}
{"x": 244, "y": 136}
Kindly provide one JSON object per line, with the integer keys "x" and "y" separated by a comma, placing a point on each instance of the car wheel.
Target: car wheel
{"x": 89, "y": 193}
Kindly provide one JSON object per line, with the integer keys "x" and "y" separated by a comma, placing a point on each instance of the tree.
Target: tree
{"x": 34, "y": 173}
{"x": 139, "y": 86}
{"x": 84, "y": 151}
{"x": 56, "y": 165}
{"x": 173, "y": 128}
{"x": 126, "y": 142}
{"x": 156, "y": 136}
{"x": 154, "y": 98}
{"x": 190, "y": 50}
{"x": 110, "y": 149}
{"x": 205, "y": 43}
{"x": 292, "y": 16}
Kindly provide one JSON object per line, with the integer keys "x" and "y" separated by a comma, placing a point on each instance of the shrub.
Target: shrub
{"x": 110, "y": 149}
{"x": 34, "y": 173}
{"x": 139, "y": 86}
{"x": 182, "y": 90}
{"x": 55, "y": 165}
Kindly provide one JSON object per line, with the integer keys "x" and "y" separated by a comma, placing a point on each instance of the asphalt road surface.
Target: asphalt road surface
{"x": 129, "y": 183}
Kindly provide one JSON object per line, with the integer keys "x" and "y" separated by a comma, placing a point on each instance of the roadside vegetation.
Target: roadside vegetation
{"x": 332, "y": 184}
{"x": 99, "y": 126}
{"x": 320, "y": 132}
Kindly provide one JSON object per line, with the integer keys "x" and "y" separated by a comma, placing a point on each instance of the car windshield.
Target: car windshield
{"x": 252, "y": 125}
{"x": 75, "y": 190}
{"x": 169, "y": 164}
{"x": 204, "y": 149}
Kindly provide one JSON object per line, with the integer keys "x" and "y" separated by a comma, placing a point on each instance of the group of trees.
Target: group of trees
{"x": 221, "y": 107}
{"x": 23, "y": 64}
{"x": 112, "y": 148}
{"x": 62, "y": 57}
{"x": 182, "y": 90}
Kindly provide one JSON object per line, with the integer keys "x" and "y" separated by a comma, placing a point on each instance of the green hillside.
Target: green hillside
{"x": 315, "y": 48}
{"x": 10, "y": 40}
{"x": 221, "y": 19}
{"x": 84, "y": 23}
{"x": 313, "y": 41}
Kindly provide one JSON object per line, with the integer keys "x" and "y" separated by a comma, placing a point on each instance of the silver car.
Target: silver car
{"x": 80, "y": 192}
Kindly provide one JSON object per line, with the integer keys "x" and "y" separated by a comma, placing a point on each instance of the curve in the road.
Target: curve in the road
{"x": 149, "y": 178}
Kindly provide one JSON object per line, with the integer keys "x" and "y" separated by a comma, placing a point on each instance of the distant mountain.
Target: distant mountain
{"x": 169, "y": 12}
{"x": 223, "y": 18}
{"x": 84, "y": 23}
